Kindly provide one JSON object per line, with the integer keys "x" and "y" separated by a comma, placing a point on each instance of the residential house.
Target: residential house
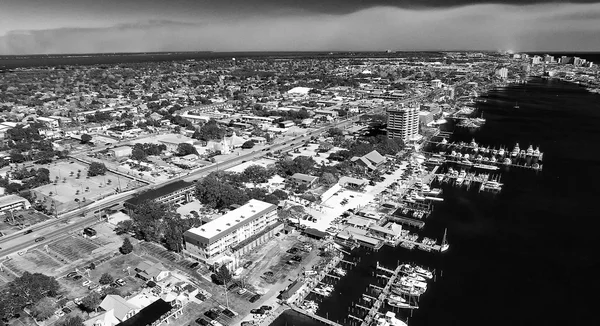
{"x": 119, "y": 307}
{"x": 372, "y": 160}
{"x": 152, "y": 271}
{"x": 303, "y": 179}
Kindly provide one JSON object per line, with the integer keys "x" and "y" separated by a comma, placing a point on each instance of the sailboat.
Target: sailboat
{"x": 516, "y": 105}
{"x": 445, "y": 244}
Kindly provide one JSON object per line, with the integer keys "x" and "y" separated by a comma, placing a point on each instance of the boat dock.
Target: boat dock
{"x": 314, "y": 317}
{"x": 372, "y": 311}
{"x": 419, "y": 245}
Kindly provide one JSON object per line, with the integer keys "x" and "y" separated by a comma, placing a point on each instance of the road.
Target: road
{"x": 75, "y": 220}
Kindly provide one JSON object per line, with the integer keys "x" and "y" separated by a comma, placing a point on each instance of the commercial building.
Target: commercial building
{"x": 303, "y": 179}
{"x": 121, "y": 151}
{"x": 13, "y": 202}
{"x": 175, "y": 193}
{"x": 215, "y": 239}
{"x": 403, "y": 123}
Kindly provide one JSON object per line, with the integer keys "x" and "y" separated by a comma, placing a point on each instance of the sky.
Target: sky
{"x": 93, "y": 26}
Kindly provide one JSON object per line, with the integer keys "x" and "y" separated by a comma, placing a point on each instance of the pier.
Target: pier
{"x": 384, "y": 292}
{"x": 407, "y": 221}
{"x": 315, "y": 317}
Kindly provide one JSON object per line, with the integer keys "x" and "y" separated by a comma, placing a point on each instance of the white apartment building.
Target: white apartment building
{"x": 212, "y": 240}
{"x": 403, "y": 123}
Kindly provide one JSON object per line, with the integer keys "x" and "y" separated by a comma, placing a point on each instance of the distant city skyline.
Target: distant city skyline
{"x": 92, "y": 26}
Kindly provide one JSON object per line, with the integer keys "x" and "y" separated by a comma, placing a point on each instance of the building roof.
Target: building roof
{"x": 382, "y": 229}
{"x": 149, "y": 269}
{"x": 315, "y": 233}
{"x": 106, "y": 319}
{"x": 11, "y": 199}
{"x": 118, "y": 304}
{"x": 350, "y": 180}
{"x": 158, "y": 192}
{"x": 304, "y": 177}
{"x": 217, "y": 228}
{"x": 374, "y": 157}
{"x": 365, "y": 239}
{"x": 149, "y": 314}
{"x": 293, "y": 288}
{"x": 358, "y": 221}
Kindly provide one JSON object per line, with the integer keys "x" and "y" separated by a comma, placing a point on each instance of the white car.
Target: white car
{"x": 59, "y": 313}
{"x": 242, "y": 291}
{"x": 86, "y": 283}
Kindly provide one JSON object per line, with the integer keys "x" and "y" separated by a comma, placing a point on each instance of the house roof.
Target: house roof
{"x": 118, "y": 304}
{"x": 315, "y": 233}
{"x": 150, "y": 269}
{"x": 304, "y": 177}
{"x": 293, "y": 288}
{"x": 374, "y": 157}
{"x": 350, "y": 180}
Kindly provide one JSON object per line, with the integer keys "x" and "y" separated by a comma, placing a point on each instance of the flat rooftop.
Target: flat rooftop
{"x": 231, "y": 221}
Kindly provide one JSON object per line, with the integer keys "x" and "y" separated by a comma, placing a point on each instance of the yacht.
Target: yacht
{"x": 515, "y": 151}
{"x": 486, "y": 166}
{"x": 339, "y": 272}
{"x": 402, "y": 305}
{"x": 507, "y": 161}
{"x": 493, "y": 159}
{"x": 390, "y": 320}
{"x": 444, "y": 141}
{"x": 536, "y": 152}
{"x": 466, "y": 156}
{"x": 416, "y": 276}
{"x": 407, "y": 290}
{"x": 408, "y": 281}
{"x": 529, "y": 150}
{"x": 423, "y": 272}
{"x": 473, "y": 143}
{"x": 396, "y": 298}
{"x": 501, "y": 151}
{"x": 494, "y": 152}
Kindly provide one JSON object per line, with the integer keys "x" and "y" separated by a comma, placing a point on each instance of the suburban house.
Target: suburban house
{"x": 372, "y": 160}
{"x": 150, "y": 271}
{"x": 303, "y": 179}
{"x": 106, "y": 319}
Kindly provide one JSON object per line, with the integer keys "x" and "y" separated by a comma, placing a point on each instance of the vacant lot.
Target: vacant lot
{"x": 66, "y": 186}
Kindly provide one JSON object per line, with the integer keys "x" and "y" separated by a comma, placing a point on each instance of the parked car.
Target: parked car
{"x": 257, "y": 311}
{"x": 40, "y": 239}
{"x": 266, "y": 308}
{"x": 228, "y": 313}
{"x": 66, "y": 310}
{"x": 202, "y": 321}
{"x": 28, "y": 231}
{"x": 77, "y": 277}
{"x": 93, "y": 286}
{"x": 254, "y": 298}
{"x": 211, "y": 314}
{"x": 242, "y": 291}
{"x": 297, "y": 258}
{"x": 194, "y": 265}
{"x": 59, "y": 313}
{"x": 86, "y": 283}
{"x": 247, "y": 264}
{"x": 120, "y": 282}
{"x": 71, "y": 274}
{"x": 232, "y": 286}
{"x": 77, "y": 301}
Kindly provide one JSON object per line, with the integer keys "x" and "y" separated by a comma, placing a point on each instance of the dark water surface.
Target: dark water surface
{"x": 521, "y": 257}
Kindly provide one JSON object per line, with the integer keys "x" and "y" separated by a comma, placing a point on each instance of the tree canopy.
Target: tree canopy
{"x": 43, "y": 309}
{"x": 184, "y": 149}
{"x": 28, "y": 289}
{"x": 96, "y": 168}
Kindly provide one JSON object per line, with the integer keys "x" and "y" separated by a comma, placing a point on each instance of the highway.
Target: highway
{"x": 19, "y": 242}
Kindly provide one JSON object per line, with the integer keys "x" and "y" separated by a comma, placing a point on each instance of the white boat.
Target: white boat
{"x": 486, "y": 167}
{"x": 501, "y": 151}
{"x": 466, "y": 162}
{"x": 414, "y": 275}
{"x": 529, "y": 150}
{"x": 412, "y": 291}
{"x": 536, "y": 152}
{"x": 339, "y": 271}
{"x": 408, "y": 281}
{"x": 402, "y": 305}
{"x": 423, "y": 272}
{"x": 507, "y": 161}
{"x": 493, "y": 159}
{"x": 396, "y": 298}
{"x": 515, "y": 151}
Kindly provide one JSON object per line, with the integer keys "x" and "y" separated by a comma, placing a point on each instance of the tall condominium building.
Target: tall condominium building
{"x": 403, "y": 122}
{"x": 210, "y": 241}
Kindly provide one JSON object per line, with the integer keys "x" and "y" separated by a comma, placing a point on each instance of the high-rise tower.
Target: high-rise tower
{"x": 403, "y": 122}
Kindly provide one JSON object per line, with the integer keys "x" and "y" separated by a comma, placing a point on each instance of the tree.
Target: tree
{"x": 128, "y": 124}
{"x": 85, "y": 138}
{"x": 256, "y": 174}
{"x": 73, "y": 321}
{"x": 127, "y": 247}
{"x": 106, "y": 279}
{"x": 91, "y": 302}
{"x": 96, "y": 169}
{"x": 328, "y": 179}
{"x": 124, "y": 227}
{"x": 184, "y": 149}
{"x": 248, "y": 144}
{"x": 43, "y": 309}
{"x": 138, "y": 154}
{"x": 223, "y": 275}
{"x": 26, "y": 290}
{"x": 280, "y": 194}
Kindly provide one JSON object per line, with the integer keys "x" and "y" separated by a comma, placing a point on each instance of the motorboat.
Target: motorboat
{"x": 507, "y": 161}
{"x": 404, "y": 290}
{"x": 396, "y": 298}
{"x": 515, "y": 151}
{"x": 493, "y": 159}
{"x": 536, "y": 152}
{"x": 339, "y": 272}
{"x": 486, "y": 167}
{"x": 408, "y": 281}
{"x": 402, "y": 305}
{"x": 414, "y": 275}
{"x": 501, "y": 151}
{"x": 423, "y": 272}
{"x": 529, "y": 150}
{"x": 494, "y": 152}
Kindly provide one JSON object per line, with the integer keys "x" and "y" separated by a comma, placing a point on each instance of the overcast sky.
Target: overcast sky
{"x": 90, "y": 26}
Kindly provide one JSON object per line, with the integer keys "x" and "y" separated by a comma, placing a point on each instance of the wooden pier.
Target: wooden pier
{"x": 385, "y": 291}
{"x": 315, "y": 317}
